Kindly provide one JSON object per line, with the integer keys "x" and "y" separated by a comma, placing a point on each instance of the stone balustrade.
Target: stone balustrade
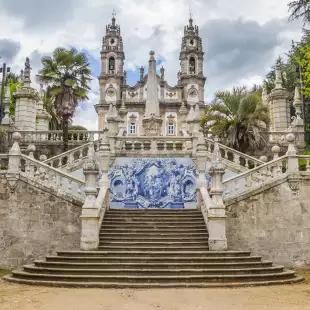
{"x": 149, "y": 146}
{"x": 73, "y": 158}
{"x": 61, "y": 182}
{"x": 55, "y": 136}
{"x": 255, "y": 178}
{"x": 233, "y": 159}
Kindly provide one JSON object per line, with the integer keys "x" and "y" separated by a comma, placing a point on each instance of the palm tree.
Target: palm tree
{"x": 300, "y": 9}
{"x": 238, "y": 118}
{"x": 67, "y": 76}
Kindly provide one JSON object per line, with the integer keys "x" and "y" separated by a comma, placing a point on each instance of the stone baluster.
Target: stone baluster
{"x": 14, "y": 161}
{"x": 217, "y": 215}
{"x": 90, "y": 213}
{"x": 292, "y": 160}
{"x": 30, "y": 166}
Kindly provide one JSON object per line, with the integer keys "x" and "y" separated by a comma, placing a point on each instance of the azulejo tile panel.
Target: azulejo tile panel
{"x": 153, "y": 183}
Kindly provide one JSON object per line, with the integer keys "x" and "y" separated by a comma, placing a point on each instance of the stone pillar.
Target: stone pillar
{"x": 292, "y": 160}
{"x": 7, "y": 121}
{"x": 14, "y": 160}
{"x": 217, "y": 214}
{"x": 42, "y": 116}
{"x": 26, "y": 98}
{"x": 104, "y": 155}
{"x": 298, "y": 122}
{"x": 279, "y": 105}
{"x": 201, "y": 157}
{"x": 90, "y": 213}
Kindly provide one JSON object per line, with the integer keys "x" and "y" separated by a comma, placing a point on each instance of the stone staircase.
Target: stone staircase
{"x": 153, "y": 248}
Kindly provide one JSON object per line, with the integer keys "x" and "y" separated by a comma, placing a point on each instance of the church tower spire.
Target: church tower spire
{"x": 111, "y": 77}
{"x": 191, "y": 60}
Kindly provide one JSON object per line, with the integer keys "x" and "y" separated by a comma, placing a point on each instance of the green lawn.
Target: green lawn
{"x": 305, "y": 273}
{"x": 4, "y": 272}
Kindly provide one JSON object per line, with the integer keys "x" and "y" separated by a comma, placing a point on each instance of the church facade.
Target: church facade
{"x": 152, "y": 107}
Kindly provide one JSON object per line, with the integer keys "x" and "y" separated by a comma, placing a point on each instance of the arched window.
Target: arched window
{"x": 111, "y": 63}
{"x": 192, "y": 65}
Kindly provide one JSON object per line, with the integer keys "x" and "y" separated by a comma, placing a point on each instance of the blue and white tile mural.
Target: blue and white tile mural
{"x": 153, "y": 183}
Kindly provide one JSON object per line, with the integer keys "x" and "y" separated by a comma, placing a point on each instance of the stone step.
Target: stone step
{"x": 152, "y": 271}
{"x": 129, "y": 258}
{"x": 154, "y": 234}
{"x": 150, "y": 225}
{"x": 154, "y": 243}
{"x": 285, "y": 275}
{"x": 176, "y": 284}
{"x": 154, "y": 265}
{"x": 150, "y": 247}
{"x": 192, "y": 230}
{"x": 153, "y": 219}
{"x": 125, "y": 238}
{"x": 180, "y": 253}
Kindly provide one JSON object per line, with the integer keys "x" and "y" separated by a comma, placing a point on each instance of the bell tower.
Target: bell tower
{"x": 191, "y": 61}
{"x": 112, "y": 71}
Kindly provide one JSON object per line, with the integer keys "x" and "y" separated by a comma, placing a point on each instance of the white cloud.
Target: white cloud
{"x": 158, "y": 25}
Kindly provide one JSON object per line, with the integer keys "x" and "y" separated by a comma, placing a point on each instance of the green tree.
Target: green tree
{"x": 300, "y": 9}
{"x": 67, "y": 76}
{"x": 239, "y": 118}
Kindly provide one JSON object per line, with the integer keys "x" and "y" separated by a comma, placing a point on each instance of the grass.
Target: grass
{"x": 4, "y": 272}
{"x": 305, "y": 273}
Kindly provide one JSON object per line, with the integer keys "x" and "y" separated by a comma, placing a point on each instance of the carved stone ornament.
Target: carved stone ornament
{"x": 171, "y": 94}
{"x": 294, "y": 186}
{"x": 132, "y": 118}
{"x": 170, "y": 119}
{"x": 152, "y": 125}
{"x": 192, "y": 92}
{"x": 132, "y": 94}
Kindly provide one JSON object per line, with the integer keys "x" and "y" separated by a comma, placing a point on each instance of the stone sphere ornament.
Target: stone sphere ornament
{"x": 275, "y": 149}
{"x": 290, "y": 138}
{"x": 31, "y": 148}
{"x": 16, "y": 136}
{"x": 264, "y": 158}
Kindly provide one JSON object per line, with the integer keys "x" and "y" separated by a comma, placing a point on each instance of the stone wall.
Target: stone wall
{"x": 34, "y": 223}
{"x": 274, "y": 223}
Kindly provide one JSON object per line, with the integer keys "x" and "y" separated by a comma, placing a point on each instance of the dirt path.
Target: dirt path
{"x": 288, "y": 297}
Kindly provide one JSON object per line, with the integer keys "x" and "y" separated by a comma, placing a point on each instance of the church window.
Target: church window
{"x": 112, "y": 41}
{"x": 132, "y": 128}
{"x": 170, "y": 129}
{"x": 192, "y": 65}
{"x": 111, "y": 64}
{"x": 192, "y": 42}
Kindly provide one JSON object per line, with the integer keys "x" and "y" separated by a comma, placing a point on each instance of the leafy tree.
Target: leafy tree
{"x": 239, "y": 118}
{"x": 67, "y": 76}
{"x": 300, "y": 9}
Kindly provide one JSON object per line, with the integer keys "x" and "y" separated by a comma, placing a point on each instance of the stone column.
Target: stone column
{"x": 90, "y": 213}
{"x": 14, "y": 161}
{"x": 292, "y": 160}
{"x": 104, "y": 155}
{"x": 217, "y": 214}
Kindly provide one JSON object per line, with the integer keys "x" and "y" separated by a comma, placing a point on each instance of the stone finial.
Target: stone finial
{"x": 263, "y": 158}
{"x": 183, "y": 109}
{"x": 152, "y": 54}
{"x": 31, "y": 149}
{"x": 278, "y": 76}
{"x": 125, "y": 77}
{"x": 275, "y": 150}
{"x": 216, "y": 158}
{"x": 27, "y": 73}
{"x": 141, "y": 74}
{"x": 291, "y": 150}
{"x": 297, "y": 102}
{"x": 43, "y": 157}
{"x": 162, "y": 73}
{"x": 16, "y": 137}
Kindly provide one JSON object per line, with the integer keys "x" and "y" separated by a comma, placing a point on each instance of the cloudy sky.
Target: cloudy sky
{"x": 241, "y": 38}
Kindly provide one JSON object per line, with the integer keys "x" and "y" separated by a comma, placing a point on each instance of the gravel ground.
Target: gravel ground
{"x": 290, "y": 297}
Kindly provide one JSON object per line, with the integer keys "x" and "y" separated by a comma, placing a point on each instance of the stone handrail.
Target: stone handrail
{"x": 255, "y": 178}
{"x": 232, "y": 158}
{"x": 155, "y": 145}
{"x": 102, "y": 203}
{"x": 72, "y": 158}
{"x": 205, "y": 203}
{"x": 61, "y": 182}
{"x": 55, "y": 136}
{"x": 279, "y": 136}
{"x": 4, "y": 161}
